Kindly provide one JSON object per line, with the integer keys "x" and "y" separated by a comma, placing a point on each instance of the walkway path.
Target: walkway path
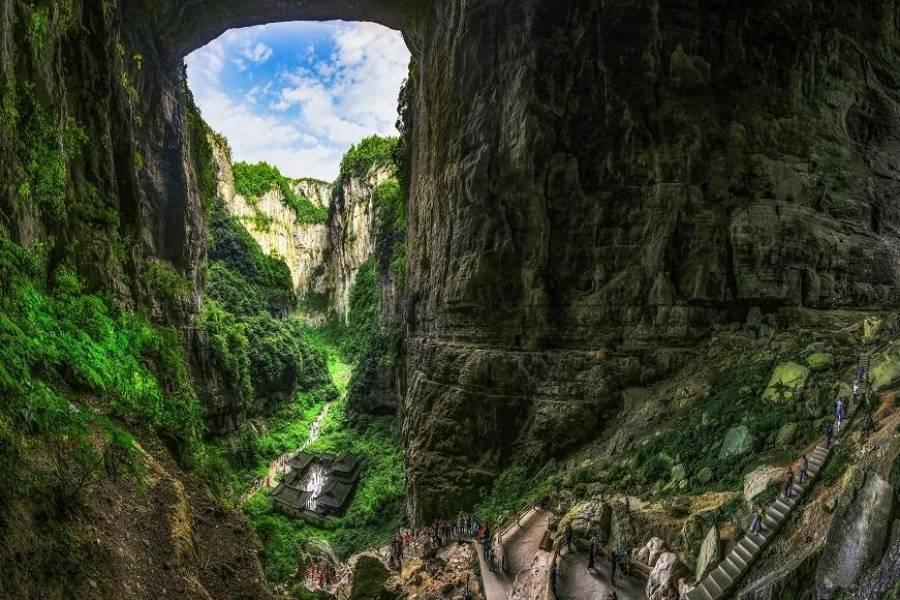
{"x": 521, "y": 545}
{"x": 576, "y": 582}
{"x": 737, "y": 562}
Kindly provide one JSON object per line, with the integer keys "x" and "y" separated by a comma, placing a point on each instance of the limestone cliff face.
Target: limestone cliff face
{"x": 351, "y": 235}
{"x": 596, "y": 183}
{"x": 323, "y": 258}
{"x": 275, "y": 227}
{"x": 96, "y": 163}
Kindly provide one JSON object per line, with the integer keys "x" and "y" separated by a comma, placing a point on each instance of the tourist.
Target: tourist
{"x": 627, "y": 504}
{"x": 553, "y": 578}
{"x": 613, "y": 563}
{"x": 804, "y": 468}
{"x": 860, "y": 372}
{"x": 624, "y": 561}
{"x": 788, "y": 492}
{"x": 569, "y": 537}
{"x": 592, "y": 554}
{"x": 486, "y": 547}
{"x": 829, "y": 434}
{"x": 837, "y": 411}
{"x": 756, "y": 524}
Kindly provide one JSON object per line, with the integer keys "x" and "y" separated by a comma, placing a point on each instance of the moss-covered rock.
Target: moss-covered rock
{"x": 592, "y": 517}
{"x": 786, "y": 382}
{"x": 369, "y": 577}
{"x": 710, "y": 553}
{"x": 819, "y": 361}
{"x": 737, "y": 441}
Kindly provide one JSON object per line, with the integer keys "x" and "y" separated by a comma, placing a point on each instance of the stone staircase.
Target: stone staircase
{"x": 737, "y": 562}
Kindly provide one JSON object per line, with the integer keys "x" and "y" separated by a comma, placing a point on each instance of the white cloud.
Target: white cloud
{"x": 356, "y": 93}
{"x": 303, "y": 119}
{"x": 258, "y": 53}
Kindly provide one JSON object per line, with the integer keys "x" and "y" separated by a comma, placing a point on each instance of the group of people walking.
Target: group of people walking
{"x": 321, "y": 576}
{"x": 618, "y": 559}
{"x": 419, "y": 540}
{"x": 841, "y": 414}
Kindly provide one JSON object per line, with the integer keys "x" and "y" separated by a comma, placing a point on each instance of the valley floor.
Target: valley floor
{"x": 376, "y": 511}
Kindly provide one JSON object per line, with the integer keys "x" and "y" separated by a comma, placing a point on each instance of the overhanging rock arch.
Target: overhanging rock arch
{"x": 181, "y": 26}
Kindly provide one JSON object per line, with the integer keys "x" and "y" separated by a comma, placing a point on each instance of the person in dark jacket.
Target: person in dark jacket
{"x": 592, "y": 554}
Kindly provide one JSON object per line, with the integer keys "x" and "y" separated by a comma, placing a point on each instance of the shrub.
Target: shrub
{"x": 369, "y": 152}
{"x": 513, "y": 489}
{"x": 254, "y": 180}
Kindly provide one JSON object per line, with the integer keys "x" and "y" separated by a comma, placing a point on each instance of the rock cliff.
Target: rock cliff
{"x": 595, "y": 186}
{"x": 616, "y": 178}
{"x": 323, "y": 258}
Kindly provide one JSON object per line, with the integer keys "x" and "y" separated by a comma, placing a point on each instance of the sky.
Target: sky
{"x": 298, "y": 95}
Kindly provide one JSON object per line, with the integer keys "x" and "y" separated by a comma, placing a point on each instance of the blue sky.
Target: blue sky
{"x": 297, "y": 95}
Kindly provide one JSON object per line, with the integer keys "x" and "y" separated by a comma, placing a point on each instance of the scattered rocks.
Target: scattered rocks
{"x": 651, "y": 551}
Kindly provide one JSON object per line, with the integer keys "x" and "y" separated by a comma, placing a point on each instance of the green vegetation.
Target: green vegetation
{"x": 390, "y": 233}
{"x": 74, "y": 371}
{"x": 369, "y": 152}
{"x": 254, "y": 180}
{"x": 241, "y": 276}
{"x": 512, "y": 490}
{"x": 375, "y": 513}
{"x": 164, "y": 282}
{"x": 691, "y": 437}
{"x": 355, "y": 337}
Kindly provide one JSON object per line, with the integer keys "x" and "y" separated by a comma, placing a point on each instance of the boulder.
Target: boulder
{"x": 737, "y": 441}
{"x": 886, "y": 367}
{"x": 651, "y": 551}
{"x": 756, "y": 481}
{"x": 663, "y": 581}
{"x": 857, "y": 537}
{"x": 690, "y": 539}
{"x": 819, "y": 361}
{"x": 870, "y": 327}
{"x": 786, "y": 382}
{"x": 591, "y": 517}
{"x": 710, "y": 553}
{"x": 369, "y": 577}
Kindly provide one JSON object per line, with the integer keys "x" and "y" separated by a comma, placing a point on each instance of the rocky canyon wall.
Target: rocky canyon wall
{"x": 595, "y": 184}
{"x": 323, "y": 258}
